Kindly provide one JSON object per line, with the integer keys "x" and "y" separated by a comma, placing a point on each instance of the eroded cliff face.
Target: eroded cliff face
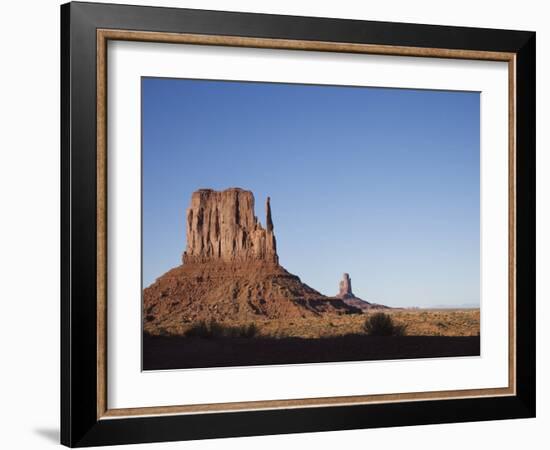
{"x": 230, "y": 271}
{"x": 221, "y": 227}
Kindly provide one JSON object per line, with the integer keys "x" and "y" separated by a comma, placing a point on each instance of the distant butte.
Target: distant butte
{"x": 345, "y": 287}
{"x": 347, "y": 296}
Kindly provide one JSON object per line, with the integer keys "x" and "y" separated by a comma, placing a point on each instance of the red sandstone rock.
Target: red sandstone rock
{"x": 347, "y": 296}
{"x": 221, "y": 226}
{"x": 345, "y": 287}
{"x": 231, "y": 270}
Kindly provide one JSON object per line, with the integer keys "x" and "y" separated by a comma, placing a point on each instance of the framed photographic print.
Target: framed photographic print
{"x": 276, "y": 224}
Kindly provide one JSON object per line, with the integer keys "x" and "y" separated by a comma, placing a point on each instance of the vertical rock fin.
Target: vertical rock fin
{"x": 268, "y": 220}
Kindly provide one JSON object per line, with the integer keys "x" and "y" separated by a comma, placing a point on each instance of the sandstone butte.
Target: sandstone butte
{"x": 230, "y": 271}
{"x": 346, "y": 294}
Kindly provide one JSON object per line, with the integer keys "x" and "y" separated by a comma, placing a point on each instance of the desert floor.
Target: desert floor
{"x": 429, "y": 334}
{"x": 419, "y": 322}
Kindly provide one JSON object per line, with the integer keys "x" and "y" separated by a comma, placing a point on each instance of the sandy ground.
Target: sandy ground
{"x": 421, "y": 322}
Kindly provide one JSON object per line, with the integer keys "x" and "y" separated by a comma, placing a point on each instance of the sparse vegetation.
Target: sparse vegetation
{"x": 433, "y": 322}
{"x": 380, "y": 324}
{"x": 215, "y": 329}
{"x": 248, "y": 331}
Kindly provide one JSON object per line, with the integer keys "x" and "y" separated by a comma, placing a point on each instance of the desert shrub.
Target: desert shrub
{"x": 248, "y": 331}
{"x": 213, "y": 329}
{"x": 381, "y": 324}
{"x": 200, "y": 329}
{"x": 217, "y": 329}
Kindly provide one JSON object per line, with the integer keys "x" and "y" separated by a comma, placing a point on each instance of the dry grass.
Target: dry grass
{"x": 422, "y": 322}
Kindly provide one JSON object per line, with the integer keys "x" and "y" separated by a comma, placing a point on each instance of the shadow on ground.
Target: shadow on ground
{"x": 173, "y": 352}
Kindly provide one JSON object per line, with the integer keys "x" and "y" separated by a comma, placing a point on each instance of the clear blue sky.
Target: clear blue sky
{"x": 380, "y": 183}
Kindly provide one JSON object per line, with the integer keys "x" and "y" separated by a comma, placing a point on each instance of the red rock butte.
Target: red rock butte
{"x": 346, "y": 294}
{"x": 345, "y": 287}
{"x": 230, "y": 271}
{"x": 222, "y": 227}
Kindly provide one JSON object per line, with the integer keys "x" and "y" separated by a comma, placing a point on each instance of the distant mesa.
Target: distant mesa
{"x": 230, "y": 271}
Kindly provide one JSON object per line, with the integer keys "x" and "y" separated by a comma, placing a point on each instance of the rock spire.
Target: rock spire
{"x": 268, "y": 221}
{"x": 345, "y": 287}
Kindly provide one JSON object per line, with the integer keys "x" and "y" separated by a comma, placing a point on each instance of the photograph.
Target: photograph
{"x": 300, "y": 223}
{"x": 286, "y": 221}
